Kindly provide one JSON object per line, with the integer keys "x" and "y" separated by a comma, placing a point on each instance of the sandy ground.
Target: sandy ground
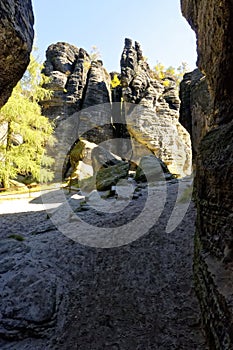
{"x": 135, "y": 294}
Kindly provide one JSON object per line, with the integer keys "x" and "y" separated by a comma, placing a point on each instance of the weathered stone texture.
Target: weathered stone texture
{"x": 155, "y": 122}
{"x": 212, "y": 22}
{"x": 196, "y": 109}
{"x": 16, "y": 37}
{"x": 67, "y": 67}
{"x": 77, "y": 84}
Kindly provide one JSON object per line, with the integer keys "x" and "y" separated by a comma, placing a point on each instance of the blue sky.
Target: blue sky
{"x": 158, "y": 25}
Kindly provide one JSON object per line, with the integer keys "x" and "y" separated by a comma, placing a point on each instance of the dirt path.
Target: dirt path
{"x": 134, "y": 297}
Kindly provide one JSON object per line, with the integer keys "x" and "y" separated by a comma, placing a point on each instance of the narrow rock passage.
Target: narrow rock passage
{"x": 138, "y": 296}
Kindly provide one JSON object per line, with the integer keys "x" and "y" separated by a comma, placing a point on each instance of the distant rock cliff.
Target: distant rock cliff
{"x": 212, "y": 21}
{"x": 16, "y": 37}
{"x": 79, "y": 83}
{"x": 196, "y": 109}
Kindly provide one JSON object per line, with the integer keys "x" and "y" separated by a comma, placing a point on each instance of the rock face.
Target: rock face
{"x": 212, "y": 22}
{"x": 154, "y": 122}
{"x": 196, "y": 107}
{"x": 76, "y": 82}
{"x": 16, "y": 37}
{"x": 79, "y": 84}
{"x": 67, "y": 66}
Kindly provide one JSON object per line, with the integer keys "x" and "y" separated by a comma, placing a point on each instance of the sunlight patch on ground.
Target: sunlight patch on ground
{"x": 22, "y": 206}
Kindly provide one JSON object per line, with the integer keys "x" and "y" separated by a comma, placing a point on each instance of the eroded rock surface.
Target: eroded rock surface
{"x": 16, "y": 37}
{"x": 154, "y": 123}
{"x": 67, "y": 66}
{"x": 212, "y": 22}
{"x": 196, "y": 109}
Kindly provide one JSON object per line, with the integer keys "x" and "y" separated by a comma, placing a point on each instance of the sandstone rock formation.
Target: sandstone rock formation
{"x": 152, "y": 169}
{"x": 103, "y": 112}
{"x": 16, "y": 37}
{"x": 212, "y": 22}
{"x": 67, "y": 67}
{"x": 154, "y": 123}
{"x": 77, "y": 84}
{"x": 196, "y": 109}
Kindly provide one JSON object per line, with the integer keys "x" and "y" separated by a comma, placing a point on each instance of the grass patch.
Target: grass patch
{"x": 17, "y": 237}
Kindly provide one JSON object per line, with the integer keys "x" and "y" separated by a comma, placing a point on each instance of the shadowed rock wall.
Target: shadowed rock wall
{"x": 213, "y": 24}
{"x": 16, "y": 37}
{"x": 196, "y": 107}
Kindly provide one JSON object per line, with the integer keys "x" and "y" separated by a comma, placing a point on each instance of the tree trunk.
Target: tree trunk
{"x": 6, "y": 176}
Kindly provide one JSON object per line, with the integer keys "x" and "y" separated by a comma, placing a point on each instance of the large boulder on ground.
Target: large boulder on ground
{"x": 87, "y": 158}
{"x": 108, "y": 177}
{"x": 162, "y": 134}
{"x": 151, "y": 170}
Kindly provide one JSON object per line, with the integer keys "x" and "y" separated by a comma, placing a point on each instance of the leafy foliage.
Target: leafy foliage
{"x": 160, "y": 72}
{"x": 23, "y": 149}
{"x": 115, "y": 81}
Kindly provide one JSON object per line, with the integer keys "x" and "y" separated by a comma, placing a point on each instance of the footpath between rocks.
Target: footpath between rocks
{"x": 59, "y": 294}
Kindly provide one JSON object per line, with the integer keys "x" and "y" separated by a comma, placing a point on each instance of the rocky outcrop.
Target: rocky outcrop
{"x": 196, "y": 109}
{"x": 77, "y": 83}
{"x": 80, "y": 84}
{"x": 67, "y": 67}
{"x": 212, "y": 22}
{"x": 98, "y": 85}
{"x": 154, "y": 122}
{"x": 16, "y": 37}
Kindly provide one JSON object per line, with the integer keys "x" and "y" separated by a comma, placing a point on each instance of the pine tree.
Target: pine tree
{"x": 22, "y": 117}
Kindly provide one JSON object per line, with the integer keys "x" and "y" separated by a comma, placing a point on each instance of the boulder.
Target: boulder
{"x": 162, "y": 134}
{"x": 151, "y": 170}
{"x": 87, "y": 157}
{"x": 108, "y": 177}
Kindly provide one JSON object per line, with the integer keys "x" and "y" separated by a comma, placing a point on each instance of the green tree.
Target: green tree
{"x": 22, "y": 117}
{"x": 161, "y": 72}
{"x": 115, "y": 81}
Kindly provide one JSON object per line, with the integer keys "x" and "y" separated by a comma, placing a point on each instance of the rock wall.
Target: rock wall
{"x": 212, "y": 22}
{"x": 16, "y": 37}
{"x": 154, "y": 122}
{"x": 67, "y": 67}
{"x": 79, "y": 84}
{"x": 196, "y": 109}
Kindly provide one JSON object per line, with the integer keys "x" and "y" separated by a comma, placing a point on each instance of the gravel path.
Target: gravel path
{"x": 137, "y": 296}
